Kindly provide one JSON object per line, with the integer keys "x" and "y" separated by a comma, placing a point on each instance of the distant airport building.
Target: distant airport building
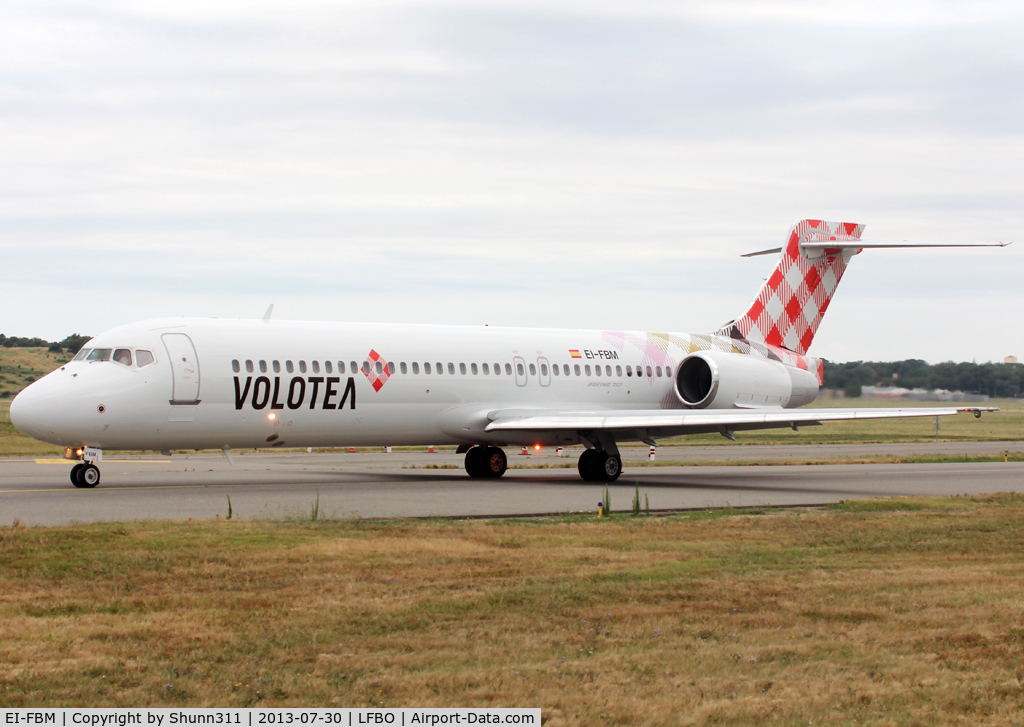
{"x": 897, "y": 392}
{"x": 1010, "y": 359}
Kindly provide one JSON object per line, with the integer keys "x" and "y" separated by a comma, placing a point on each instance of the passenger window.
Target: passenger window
{"x": 235, "y": 366}
{"x": 378, "y": 367}
{"x": 352, "y": 366}
{"x": 629, "y": 371}
{"x": 519, "y": 369}
{"x": 366, "y": 367}
{"x": 100, "y": 354}
{"x": 289, "y": 367}
{"x": 618, "y": 371}
{"x": 315, "y": 365}
{"x": 533, "y": 370}
{"x": 462, "y": 369}
{"x": 328, "y": 367}
{"x": 341, "y": 367}
{"x": 276, "y": 365}
{"x": 597, "y": 371}
{"x": 405, "y": 369}
{"x": 650, "y": 373}
{"x": 576, "y": 367}
{"x": 508, "y": 369}
{"x": 565, "y": 369}
{"x": 416, "y": 368}
{"x": 248, "y": 366}
{"x": 486, "y": 368}
{"x": 391, "y": 367}
{"x": 82, "y": 354}
{"x": 554, "y": 369}
{"x": 668, "y": 371}
{"x": 440, "y": 368}
{"x": 658, "y": 370}
{"x": 473, "y": 369}
{"x": 608, "y": 370}
{"x": 263, "y": 366}
{"x": 302, "y": 367}
{"x": 587, "y": 369}
{"x": 451, "y": 368}
{"x": 426, "y": 367}
{"x": 145, "y": 358}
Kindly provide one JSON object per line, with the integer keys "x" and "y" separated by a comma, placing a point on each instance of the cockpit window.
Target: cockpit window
{"x": 123, "y": 356}
{"x": 143, "y": 358}
{"x": 99, "y": 354}
{"x": 82, "y": 354}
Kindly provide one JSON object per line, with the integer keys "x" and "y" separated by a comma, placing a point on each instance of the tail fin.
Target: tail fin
{"x": 790, "y": 306}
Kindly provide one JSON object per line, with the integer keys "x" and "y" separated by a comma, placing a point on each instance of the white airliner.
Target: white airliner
{"x": 230, "y": 384}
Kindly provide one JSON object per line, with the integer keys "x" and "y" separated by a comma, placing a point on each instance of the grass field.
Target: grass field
{"x": 888, "y": 612}
{"x": 19, "y": 367}
{"x": 1005, "y": 425}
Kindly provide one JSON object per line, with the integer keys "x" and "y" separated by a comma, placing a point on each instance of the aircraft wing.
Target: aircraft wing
{"x": 669, "y": 422}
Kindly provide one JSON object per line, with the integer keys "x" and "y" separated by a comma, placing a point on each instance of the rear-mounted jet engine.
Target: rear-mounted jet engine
{"x": 720, "y": 380}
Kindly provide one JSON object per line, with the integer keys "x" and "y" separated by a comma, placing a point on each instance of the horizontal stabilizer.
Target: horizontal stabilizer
{"x": 879, "y": 245}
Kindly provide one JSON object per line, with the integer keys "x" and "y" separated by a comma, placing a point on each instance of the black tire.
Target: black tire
{"x": 495, "y": 462}
{"x": 75, "y": 471}
{"x": 586, "y": 465}
{"x": 88, "y": 476}
{"x": 608, "y": 466}
{"x": 475, "y": 466}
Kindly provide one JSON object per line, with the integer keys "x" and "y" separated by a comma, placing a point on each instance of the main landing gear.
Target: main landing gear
{"x": 85, "y": 474}
{"x": 596, "y": 465}
{"x": 486, "y": 462}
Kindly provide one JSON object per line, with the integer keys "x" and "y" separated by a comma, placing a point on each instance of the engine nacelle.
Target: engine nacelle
{"x": 720, "y": 380}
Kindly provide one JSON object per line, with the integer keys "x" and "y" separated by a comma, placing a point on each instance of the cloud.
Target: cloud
{"x": 578, "y": 164}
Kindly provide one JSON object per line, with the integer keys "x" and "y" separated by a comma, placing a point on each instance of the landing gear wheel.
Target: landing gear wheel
{"x": 495, "y": 462}
{"x": 587, "y": 465}
{"x": 75, "y": 472}
{"x": 599, "y": 466}
{"x": 609, "y": 466}
{"x": 88, "y": 476}
{"x": 475, "y": 465}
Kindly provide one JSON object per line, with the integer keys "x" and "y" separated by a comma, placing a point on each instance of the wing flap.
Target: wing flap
{"x": 686, "y": 419}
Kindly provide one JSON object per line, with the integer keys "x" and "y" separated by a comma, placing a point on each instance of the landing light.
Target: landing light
{"x": 271, "y": 417}
{"x": 537, "y": 447}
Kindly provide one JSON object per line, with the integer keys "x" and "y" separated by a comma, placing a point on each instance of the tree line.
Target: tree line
{"x": 71, "y": 344}
{"x": 995, "y": 379}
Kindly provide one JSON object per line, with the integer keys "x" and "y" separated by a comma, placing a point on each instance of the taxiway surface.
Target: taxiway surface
{"x": 418, "y": 484}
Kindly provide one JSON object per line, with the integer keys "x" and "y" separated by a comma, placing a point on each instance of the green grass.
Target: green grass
{"x": 19, "y": 367}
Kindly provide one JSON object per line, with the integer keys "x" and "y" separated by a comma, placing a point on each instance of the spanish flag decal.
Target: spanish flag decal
{"x": 574, "y": 352}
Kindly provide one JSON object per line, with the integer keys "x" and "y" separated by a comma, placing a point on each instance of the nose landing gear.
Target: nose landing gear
{"x": 85, "y": 475}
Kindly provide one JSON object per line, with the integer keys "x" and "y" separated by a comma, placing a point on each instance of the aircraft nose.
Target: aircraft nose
{"x": 31, "y": 411}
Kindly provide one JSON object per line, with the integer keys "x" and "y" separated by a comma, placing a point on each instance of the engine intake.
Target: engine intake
{"x": 720, "y": 380}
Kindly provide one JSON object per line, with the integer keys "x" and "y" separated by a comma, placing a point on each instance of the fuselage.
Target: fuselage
{"x": 216, "y": 383}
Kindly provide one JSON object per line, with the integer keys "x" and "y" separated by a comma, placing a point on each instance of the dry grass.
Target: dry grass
{"x": 885, "y": 612}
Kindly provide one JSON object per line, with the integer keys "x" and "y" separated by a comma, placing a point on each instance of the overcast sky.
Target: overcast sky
{"x": 556, "y": 164}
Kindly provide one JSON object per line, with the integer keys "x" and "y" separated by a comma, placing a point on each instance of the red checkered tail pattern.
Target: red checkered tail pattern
{"x": 788, "y": 309}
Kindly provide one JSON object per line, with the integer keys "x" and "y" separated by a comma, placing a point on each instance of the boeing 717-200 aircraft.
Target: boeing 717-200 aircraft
{"x": 187, "y": 383}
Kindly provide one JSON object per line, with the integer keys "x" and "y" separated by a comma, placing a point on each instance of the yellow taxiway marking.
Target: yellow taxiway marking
{"x": 119, "y": 461}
